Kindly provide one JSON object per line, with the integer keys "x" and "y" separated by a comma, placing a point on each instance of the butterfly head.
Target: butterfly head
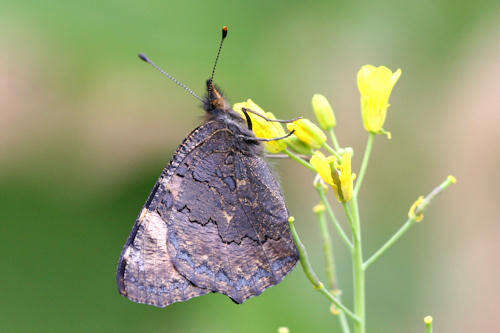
{"x": 215, "y": 102}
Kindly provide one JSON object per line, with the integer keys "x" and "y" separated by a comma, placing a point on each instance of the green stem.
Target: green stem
{"x": 355, "y": 210}
{"x": 329, "y": 210}
{"x": 389, "y": 243}
{"x": 334, "y": 139}
{"x": 300, "y": 160}
{"x": 331, "y": 150}
{"x": 311, "y": 275}
{"x": 343, "y": 320}
{"x": 327, "y": 247}
{"x": 364, "y": 164}
{"x": 438, "y": 189}
{"x": 358, "y": 271}
{"x": 329, "y": 262}
{"x": 411, "y": 220}
{"x": 428, "y": 324}
{"x": 352, "y": 212}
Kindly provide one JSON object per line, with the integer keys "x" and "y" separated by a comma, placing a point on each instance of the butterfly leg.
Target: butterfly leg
{"x": 249, "y": 120}
{"x": 283, "y": 156}
{"x": 264, "y": 139}
{"x": 245, "y": 110}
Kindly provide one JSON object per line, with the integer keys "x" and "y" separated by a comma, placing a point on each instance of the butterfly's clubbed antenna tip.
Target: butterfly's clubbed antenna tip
{"x": 143, "y": 57}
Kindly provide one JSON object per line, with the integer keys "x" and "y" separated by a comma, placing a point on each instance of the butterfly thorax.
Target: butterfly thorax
{"x": 219, "y": 109}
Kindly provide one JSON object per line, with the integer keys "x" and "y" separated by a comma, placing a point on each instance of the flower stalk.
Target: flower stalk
{"x": 364, "y": 163}
{"x": 311, "y": 275}
{"x": 296, "y": 158}
{"x": 329, "y": 262}
{"x": 357, "y": 265}
{"x": 331, "y": 150}
{"x": 413, "y": 216}
{"x": 333, "y": 219}
{"x": 333, "y": 137}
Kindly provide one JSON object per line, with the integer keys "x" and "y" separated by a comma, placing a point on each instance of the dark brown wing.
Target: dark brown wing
{"x": 145, "y": 272}
{"x": 225, "y": 218}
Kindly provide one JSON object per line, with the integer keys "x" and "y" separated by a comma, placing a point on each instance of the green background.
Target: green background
{"x": 86, "y": 128}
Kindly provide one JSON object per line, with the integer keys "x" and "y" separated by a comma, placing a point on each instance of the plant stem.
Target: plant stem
{"x": 334, "y": 139}
{"x": 343, "y": 320}
{"x": 311, "y": 275}
{"x": 364, "y": 164}
{"x": 300, "y": 160}
{"x": 438, "y": 189}
{"x": 389, "y": 243}
{"x": 331, "y": 150}
{"x": 411, "y": 220}
{"x": 329, "y": 262}
{"x": 357, "y": 263}
{"x": 428, "y": 324}
{"x": 352, "y": 212}
{"x": 329, "y": 210}
{"x": 327, "y": 249}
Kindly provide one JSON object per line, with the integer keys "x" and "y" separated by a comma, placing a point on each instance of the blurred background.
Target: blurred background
{"x": 86, "y": 128}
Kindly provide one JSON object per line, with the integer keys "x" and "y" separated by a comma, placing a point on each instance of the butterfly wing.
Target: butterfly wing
{"x": 145, "y": 271}
{"x": 225, "y": 221}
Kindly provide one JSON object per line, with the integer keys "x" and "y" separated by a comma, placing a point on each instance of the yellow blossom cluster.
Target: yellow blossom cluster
{"x": 375, "y": 85}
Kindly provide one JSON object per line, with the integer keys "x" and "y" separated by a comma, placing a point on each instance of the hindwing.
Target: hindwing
{"x": 216, "y": 221}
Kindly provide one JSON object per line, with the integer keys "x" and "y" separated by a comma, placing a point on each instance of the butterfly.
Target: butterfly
{"x": 216, "y": 219}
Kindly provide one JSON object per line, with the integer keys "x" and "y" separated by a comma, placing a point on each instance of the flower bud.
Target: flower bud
{"x": 323, "y": 111}
{"x": 375, "y": 86}
{"x": 308, "y": 133}
{"x": 298, "y": 146}
{"x": 319, "y": 208}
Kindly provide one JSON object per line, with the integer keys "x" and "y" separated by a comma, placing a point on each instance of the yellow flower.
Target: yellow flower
{"x": 263, "y": 128}
{"x": 413, "y": 208}
{"x": 334, "y": 310}
{"x": 375, "y": 86}
{"x": 308, "y": 133}
{"x": 346, "y": 176}
{"x": 323, "y": 111}
{"x": 322, "y": 165}
{"x": 336, "y": 174}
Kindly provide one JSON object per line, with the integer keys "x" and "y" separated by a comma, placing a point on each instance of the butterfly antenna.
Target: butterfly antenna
{"x": 149, "y": 61}
{"x": 224, "y": 35}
